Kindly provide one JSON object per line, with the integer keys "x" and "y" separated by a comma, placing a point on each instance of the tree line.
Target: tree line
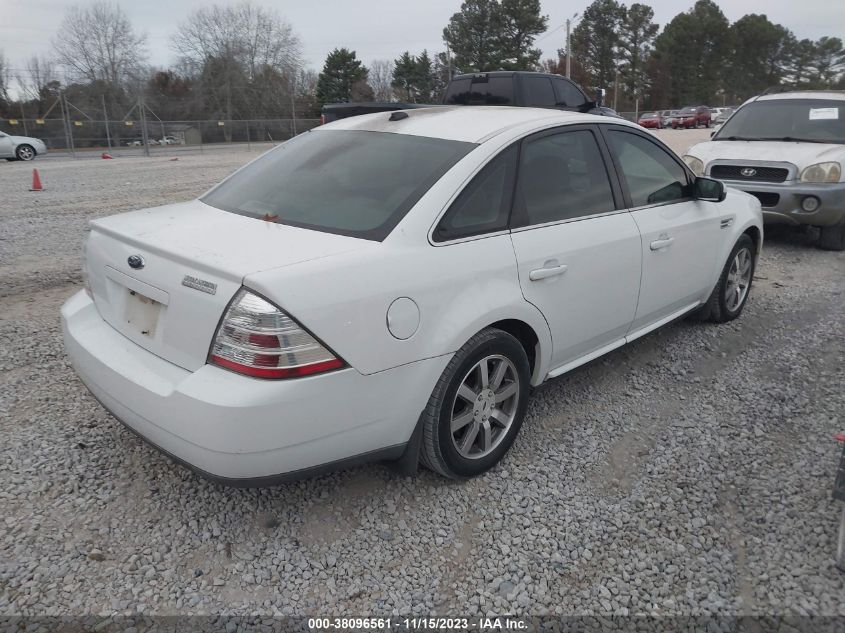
{"x": 243, "y": 61}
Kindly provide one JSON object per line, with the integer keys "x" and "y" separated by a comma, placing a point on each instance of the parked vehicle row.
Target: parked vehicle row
{"x": 399, "y": 302}
{"x": 685, "y": 118}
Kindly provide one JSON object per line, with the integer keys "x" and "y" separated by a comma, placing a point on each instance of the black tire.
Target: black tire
{"x": 439, "y": 452}
{"x": 832, "y": 238}
{"x": 25, "y": 152}
{"x": 716, "y": 309}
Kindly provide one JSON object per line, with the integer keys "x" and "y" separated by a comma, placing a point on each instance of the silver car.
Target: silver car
{"x": 20, "y": 147}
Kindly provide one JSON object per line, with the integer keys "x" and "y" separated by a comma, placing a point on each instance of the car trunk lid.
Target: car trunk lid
{"x": 163, "y": 277}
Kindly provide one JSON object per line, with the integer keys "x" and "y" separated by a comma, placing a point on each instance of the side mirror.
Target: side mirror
{"x": 709, "y": 190}
{"x": 600, "y": 93}
{"x": 713, "y": 133}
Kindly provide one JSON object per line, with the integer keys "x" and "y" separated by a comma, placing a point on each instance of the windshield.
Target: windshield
{"x": 648, "y": 115}
{"x": 348, "y": 182}
{"x": 688, "y": 111}
{"x": 814, "y": 120}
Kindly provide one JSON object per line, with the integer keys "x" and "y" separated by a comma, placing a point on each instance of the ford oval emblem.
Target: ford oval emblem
{"x": 748, "y": 172}
{"x": 135, "y": 261}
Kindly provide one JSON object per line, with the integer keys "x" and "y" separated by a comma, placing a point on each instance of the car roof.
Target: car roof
{"x": 838, "y": 95}
{"x": 471, "y": 124}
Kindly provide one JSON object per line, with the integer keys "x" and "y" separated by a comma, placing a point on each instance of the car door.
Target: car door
{"x": 680, "y": 235}
{"x": 7, "y": 148}
{"x": 578, "y": 250}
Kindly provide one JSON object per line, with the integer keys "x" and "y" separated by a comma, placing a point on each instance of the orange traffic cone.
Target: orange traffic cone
{"x": 106, "y": 155}
{"x": 36, "y": 182}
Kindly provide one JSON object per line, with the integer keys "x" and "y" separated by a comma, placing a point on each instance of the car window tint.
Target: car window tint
{"x": 484, "y": 204}
{"x": 652, "y": 175}
{"x": 568, "y": 94}
{"x": 482, "y": 90}
{"x": 562, "y": 176}
{"x": 349, "y": 182}
{"x": 539, "y": 92}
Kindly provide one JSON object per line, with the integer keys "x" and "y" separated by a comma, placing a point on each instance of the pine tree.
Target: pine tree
{"x": 343, "y": 78}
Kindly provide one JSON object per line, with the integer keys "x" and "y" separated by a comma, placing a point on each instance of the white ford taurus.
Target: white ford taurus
{"x": 390, "y": 286}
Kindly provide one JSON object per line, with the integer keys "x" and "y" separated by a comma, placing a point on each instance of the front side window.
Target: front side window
{"x": 484, "y": 204}
{"x": 539, "y": 92}
{"x": 348, "y": 182}
{"x": 652, "y": 175}
{"x": 568, "y": 94}
{"x": 562, "y": 177}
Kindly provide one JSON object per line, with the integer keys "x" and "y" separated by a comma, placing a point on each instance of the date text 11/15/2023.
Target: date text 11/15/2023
{"x": 490, "y": 623}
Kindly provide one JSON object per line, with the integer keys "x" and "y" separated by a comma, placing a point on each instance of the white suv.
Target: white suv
{"x": 788, "y": 150}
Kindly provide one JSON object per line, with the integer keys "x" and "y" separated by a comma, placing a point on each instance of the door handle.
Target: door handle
{"x": 547, "y": 271}
{"x": 663, "y": 242}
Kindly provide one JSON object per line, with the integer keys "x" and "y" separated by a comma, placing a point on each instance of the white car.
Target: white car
{"x": 389, "y": 286}
{"x": 20, "y": 147}
{"x": 788, "y": 150}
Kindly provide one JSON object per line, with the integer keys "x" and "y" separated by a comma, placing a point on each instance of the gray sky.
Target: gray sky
{"x": 375, "y": 29}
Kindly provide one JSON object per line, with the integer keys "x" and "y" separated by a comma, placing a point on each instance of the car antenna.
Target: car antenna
{"x": 398, "y": 115}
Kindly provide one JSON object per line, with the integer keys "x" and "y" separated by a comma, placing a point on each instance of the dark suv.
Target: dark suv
{"x": 520, "y": 88}
{"x": 692, "y": 116}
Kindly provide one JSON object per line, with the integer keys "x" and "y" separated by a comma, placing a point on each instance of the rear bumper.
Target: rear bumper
{"x": 245, "y": 431}
{"x": 782, "y": 201}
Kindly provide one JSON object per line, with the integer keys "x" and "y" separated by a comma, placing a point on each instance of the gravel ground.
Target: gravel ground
{"x": 688, "y": 473}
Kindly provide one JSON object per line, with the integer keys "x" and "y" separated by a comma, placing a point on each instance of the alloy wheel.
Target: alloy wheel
{"x": 738, "y": 280}
{"x": 485, "y": 406}
{"x": 26, "y": 153}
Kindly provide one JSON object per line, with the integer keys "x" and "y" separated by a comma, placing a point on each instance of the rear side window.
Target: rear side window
{"x": 482, "y": 90}
{"x": 568, "y": 94}
{"x": 484, "y": 204}
{"x": 562, "y": 177}
{"x": 348, "y": 182}
{"x": 539, "y": 92}
{"x": 652, "y": 175}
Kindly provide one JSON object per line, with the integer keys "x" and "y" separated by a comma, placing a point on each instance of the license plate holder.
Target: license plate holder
{"x": 142, "y": 313}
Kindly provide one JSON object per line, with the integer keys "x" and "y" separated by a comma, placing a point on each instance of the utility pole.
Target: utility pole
{"x": 106, "y": 121}
{"x": 569, "y": 46}
{"x": 144, "y": 135}
{"x": 615, "y": 88}
{"x": 568, "y": 53}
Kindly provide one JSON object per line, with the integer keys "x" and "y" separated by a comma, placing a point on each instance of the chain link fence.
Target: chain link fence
{"x": 120, "y": 138}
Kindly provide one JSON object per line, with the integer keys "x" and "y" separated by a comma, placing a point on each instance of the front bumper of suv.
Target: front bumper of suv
{"x": 782, "y": 202}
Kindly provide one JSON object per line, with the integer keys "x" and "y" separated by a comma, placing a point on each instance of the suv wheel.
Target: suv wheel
{"x": 477, "y": 407}
{"x": 832, "y": 238}
{"x": 731, "y": 292}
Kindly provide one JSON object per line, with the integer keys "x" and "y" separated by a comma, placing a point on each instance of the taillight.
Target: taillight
{"x": 258, "y": 339}
{"x": 322, "y": 119}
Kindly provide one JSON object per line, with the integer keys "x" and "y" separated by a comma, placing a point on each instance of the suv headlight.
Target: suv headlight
{"x": 694, "y": 164}
{"x": 822, "y": 172}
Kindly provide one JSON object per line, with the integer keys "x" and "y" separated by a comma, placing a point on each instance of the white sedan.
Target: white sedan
{"x": 20, "y": 147}
{"x": 390, "y": 286}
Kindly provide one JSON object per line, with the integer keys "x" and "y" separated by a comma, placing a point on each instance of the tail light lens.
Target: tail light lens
{"x": 322, "y": 119}
{"x": 258, "y": 339}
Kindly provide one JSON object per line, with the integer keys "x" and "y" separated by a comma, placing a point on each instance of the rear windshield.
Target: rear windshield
{"x": 480, "y": 91}
{"x": 347, "y": 182}
{"x": 814, "y": 120}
